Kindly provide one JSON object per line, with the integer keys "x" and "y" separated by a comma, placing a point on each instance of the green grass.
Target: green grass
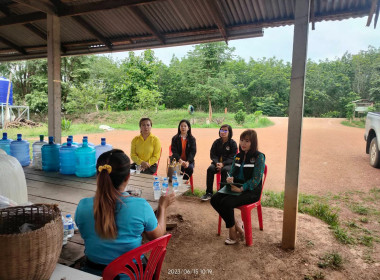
{"x": 129, "y": 120}
{"x": 342, "y": 235}
{"x": 331, "y": 260}
{"x": 360, "y": 209}
{"x": 359, "y": 123}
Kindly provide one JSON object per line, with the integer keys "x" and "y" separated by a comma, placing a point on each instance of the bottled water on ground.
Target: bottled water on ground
{"x": 175, "y": 182}
{"x": 165, "y": 185}
{"x": 37, "y": 154}
{"x": 5, "y": 143}
{"x": 69, "y": 226}
{"x": 102, "y": 148}
{"x": 156, "y": 188}
{"x": 20, "y": 150}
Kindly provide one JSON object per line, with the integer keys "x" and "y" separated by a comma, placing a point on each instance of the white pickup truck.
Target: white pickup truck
{"x": 372, "y": 138}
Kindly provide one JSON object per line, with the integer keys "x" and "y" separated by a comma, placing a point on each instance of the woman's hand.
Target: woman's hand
{"x": 144, "y": 165}
{"x": 186, "y": 165}
{"x": 166, "y": 200}
{"x": 230, "y": 180}
{"x": 219, "y": 166}
{"x": 236, "y": 189}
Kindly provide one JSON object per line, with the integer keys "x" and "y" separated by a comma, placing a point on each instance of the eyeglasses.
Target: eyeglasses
{"x": 222, "y": 130}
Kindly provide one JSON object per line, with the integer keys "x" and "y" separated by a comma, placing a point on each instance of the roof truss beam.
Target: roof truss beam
{"x": 217, "y": 16}
{"x": 139, "y": 14}
{"x": 12, "y": 45}
{"x": 42, "y": 6}
{"x": 93, "y": 31}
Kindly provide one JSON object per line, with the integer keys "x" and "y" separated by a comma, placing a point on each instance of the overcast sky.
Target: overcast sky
{"x": 329, "y": 40}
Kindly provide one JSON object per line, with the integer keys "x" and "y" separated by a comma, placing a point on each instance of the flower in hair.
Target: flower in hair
{"x": 106, "y": 167}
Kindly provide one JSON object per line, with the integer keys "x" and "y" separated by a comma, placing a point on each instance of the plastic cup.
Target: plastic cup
{"x": 138, "y": 169}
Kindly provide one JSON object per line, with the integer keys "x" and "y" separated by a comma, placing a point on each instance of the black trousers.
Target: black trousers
{"x": 151, "y": 170}
{"x": 187, "y": 171}
{"x": 211, "y": 171}
{"x": 224, "y": 204}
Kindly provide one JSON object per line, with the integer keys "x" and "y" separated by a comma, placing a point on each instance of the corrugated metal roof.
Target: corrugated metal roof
{"x": 92, "y": 26}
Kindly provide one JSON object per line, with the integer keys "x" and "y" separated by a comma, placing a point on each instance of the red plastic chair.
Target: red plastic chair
{"x": 158, "y": 163}
{"x": 130, "y": 263}
{"x": 191, "y": 178}
{"x": 246, "y": 215}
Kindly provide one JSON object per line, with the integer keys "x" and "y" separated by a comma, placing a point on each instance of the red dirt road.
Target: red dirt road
{"x": 333, "y": 157}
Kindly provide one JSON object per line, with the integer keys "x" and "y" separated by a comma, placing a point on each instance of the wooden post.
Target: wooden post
{"x": 296, "y": 102}
{"x": 7, "y": 112}
{"x": 54, "y": 77}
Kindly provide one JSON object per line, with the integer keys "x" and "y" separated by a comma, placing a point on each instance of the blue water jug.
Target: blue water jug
{"x": 75, "y": 144}
{"x": 20, "y": 150}
{"x": 67, "y": 158}
{"x": 5, "y": 143}
{"x": 85, "y": 160}
{"x": 50, "y": 156}
{"x": 88, "y": 143}
{"x": 37, "y": 154}
{"x": 102, "y": 148}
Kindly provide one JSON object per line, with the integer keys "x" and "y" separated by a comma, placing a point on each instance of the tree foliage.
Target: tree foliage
{"x": 210, "y": 73}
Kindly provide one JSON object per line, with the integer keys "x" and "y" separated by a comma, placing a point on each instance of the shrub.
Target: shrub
{"x": 240, "y": 116}
{"x": 65, "y": 124}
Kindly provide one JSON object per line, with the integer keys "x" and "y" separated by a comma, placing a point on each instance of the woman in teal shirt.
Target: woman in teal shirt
{"x": 111, "y": 223}
{"x": 245, "y": 183}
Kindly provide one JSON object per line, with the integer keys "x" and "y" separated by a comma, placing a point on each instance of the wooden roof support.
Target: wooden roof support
{"x": 377, "y": 14}
{"x": 22, "y": 19}
{"x": 312, "y": 14}
{"x": 43, "y": 6}
{"x": 93, "y": 31}
{"x": 12, "y": 45}
{"x": 101, "y": 6}
{"x": 371, "y": 12}
{"x": 54, "y": 77}
{"x": 296, "y": 108}
{"x": 216, "y": 14}
{"x": 139, "y": 14}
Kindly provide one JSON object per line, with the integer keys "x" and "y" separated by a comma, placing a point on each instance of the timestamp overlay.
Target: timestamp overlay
{"x": 189, "y": 271}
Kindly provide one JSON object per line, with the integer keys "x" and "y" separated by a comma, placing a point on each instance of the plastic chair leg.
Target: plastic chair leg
{"x": 246, "y": 217}
{"x": 192, "y": 184}
{"x": 218, "y": 179}
{"x": 219, "y": 225}
{"x": 260, "y": 217}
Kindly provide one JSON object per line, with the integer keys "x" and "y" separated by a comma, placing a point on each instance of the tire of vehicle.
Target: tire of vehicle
{"x": 374, "y": 155}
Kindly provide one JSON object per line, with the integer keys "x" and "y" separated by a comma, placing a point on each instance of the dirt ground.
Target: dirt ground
{"x": 333, "y": 161}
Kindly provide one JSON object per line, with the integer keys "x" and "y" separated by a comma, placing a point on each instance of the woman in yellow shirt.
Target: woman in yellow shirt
{"x": 146, "y": 148}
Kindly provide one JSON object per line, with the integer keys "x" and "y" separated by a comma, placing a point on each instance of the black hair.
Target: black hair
{"x": 229, "y": 130}
{"x": 188, "y": 124}
{"x": 145, "y": 119}
{"x": 252, "y": 136}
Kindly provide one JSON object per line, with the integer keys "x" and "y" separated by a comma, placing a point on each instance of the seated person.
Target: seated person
{"x": 111, "y": 223}
{"x": 146, "y": 148}
{"x": 247, "y": 173}
{"x": 222, "y": 153}
{"x": 184, "y": 148}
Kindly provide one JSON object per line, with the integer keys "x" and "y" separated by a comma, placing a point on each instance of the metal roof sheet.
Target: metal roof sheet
{"x": 92, "y": 26}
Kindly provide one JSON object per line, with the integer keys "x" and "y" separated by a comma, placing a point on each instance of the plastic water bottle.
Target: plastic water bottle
{"x": 156, "y": 188}
{"x": 85, "y": 165}
{"x": 88, "y": 143}
{"x": 20, "y": 150}
{"x": 67, "y": 158}
{"x": 175, "y": 182}
{"x": 5, "y": 143}
{"x": 70, "y": 225}
{"x": 165, "y": 185}
{"x": 65, "y": 232}
{"x": 37, "y": 154}
{"x": 50, "y": 156}
{"x": 74, "y": 144}
{"x": 102, "y": 148}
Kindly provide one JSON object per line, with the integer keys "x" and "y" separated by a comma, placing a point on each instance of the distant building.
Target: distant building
{"x": 361, "y": 106}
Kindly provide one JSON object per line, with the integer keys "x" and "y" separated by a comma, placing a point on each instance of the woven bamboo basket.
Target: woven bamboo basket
{"x": 33, "y": 254}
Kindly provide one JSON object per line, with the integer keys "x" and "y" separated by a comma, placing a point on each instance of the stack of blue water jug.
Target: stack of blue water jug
{"x": 70, "y": 158}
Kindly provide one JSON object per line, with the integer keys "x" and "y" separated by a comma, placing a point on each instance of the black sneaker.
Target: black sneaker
{"x": 206, "y": 197}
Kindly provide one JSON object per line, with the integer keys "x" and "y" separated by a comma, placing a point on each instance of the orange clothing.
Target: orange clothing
{"x": 183, "y": 155}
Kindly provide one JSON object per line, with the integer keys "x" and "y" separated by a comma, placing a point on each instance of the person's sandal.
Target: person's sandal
{"x": 230, "y": 241}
